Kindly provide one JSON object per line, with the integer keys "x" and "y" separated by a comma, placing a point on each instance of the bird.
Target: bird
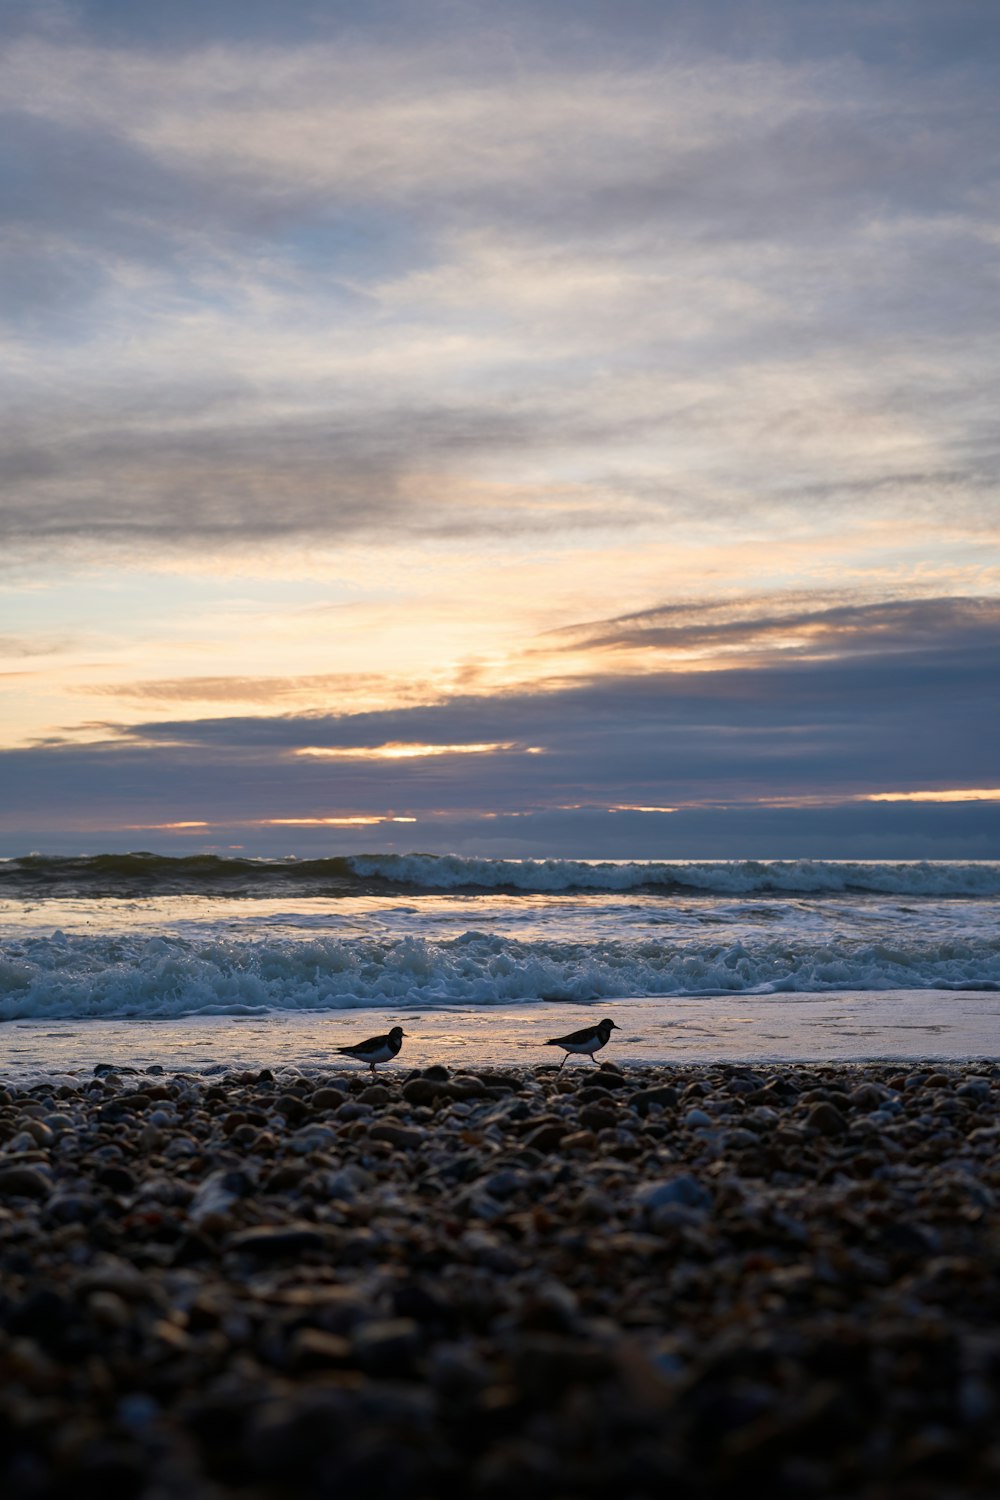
{"x": 377, "y": 1048}
{"x": 590, "y": 1040}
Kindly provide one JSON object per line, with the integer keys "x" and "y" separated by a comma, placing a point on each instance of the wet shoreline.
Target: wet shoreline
{"x": 852, "y": 1027}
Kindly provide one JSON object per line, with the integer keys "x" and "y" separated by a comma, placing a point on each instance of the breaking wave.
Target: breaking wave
{"x": 62, "y": 976}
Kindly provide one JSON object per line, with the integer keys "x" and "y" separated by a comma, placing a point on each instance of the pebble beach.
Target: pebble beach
{"x": 447, "y": 1282}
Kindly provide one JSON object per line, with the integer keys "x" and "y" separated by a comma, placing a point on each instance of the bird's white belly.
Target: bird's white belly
{"x": 590, "y": 1047}
{"x": 380, "y": 1054}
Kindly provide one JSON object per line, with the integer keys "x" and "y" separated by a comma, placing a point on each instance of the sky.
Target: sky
{"x": 557, "y": 428}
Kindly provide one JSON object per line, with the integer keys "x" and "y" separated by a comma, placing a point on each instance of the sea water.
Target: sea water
{"x": 248, "y": 961}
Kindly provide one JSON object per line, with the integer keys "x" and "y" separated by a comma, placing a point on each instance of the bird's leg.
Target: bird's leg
{"x": 563, "y": 1063}
{"x": 593, "y": 1058}
{"x": 372, "y": 1066}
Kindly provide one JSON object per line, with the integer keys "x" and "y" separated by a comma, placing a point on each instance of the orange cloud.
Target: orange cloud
{"x": 360, "y": 822}
{"x": 164, "y": 827}
{"x": 957, "y": 794}
{"x": 398, "y": 750}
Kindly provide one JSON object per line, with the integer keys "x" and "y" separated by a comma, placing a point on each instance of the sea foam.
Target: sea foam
{"x": 63, "y": 976}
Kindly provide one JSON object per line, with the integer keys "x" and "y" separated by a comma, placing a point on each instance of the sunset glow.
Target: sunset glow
{"x": 330, "y": 822}
{"x": 413, "y": 752}
{"x": 569, "y": 429}
{"x": 499, "y": 807}
{"x": 962, "y": 794}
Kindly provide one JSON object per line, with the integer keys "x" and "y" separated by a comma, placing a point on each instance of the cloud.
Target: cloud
{"x": 707, "y": 288}
{"x": 803, "y": 626}
{"x": 882, "y": 711}
{"x": 316, "y": 285}
{"x": 241, "y": 689}
{"x": 23, "y": 645}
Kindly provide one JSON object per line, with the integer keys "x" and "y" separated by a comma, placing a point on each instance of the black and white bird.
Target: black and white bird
{"x": 377, "y": 1048}
{"x": 590, "y": 1040}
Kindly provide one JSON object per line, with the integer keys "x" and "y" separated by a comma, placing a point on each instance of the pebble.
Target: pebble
{"x": 683, "y": 1189}
{"x": 691, "y": 1280}
{"x": 387, "y": 1347}
{"x": 827, "y": 1119}
{"x": 423, "y": 1091}
{"x": 327, "y": 1098}
{"x": 546, "y": 1136}
{"x": 404, "y": 1136}
{"x": 23, "y": 1182}
{"x": 278, "y": 1242}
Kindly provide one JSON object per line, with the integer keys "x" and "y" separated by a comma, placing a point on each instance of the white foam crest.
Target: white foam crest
{"x": 732, "y": 877}
{"x": 62, "y": 977}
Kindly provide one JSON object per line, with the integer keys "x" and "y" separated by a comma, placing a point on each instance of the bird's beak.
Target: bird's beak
{"x": 404, "y": 1033}
{"x": 616, "y": 1026}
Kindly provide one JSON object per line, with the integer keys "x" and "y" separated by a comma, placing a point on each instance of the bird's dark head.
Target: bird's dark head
{"x": 396, "y": 1033}
{"x": 607, "y": 1025}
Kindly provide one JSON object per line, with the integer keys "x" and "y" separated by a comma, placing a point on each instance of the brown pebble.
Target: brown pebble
{"x": 327, "y": 1099}
{"x": 546, "y": 1137}
{"x": 827, "y": 1119}
{"x": 580, "y": 1140}
{"x": 23, "y": 1182}
{"x": 291, "y": 1106}
{"x": 596, "y": 1118}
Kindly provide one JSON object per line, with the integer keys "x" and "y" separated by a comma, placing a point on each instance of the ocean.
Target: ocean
{"x": 209, "y": 963}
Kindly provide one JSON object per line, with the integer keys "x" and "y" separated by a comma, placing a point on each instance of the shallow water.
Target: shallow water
{"x": 755, "y": 960}
{"x": 903, "y": 1025}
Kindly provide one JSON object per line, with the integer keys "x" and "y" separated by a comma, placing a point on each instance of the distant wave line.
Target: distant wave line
{"x": 111, "y": 874}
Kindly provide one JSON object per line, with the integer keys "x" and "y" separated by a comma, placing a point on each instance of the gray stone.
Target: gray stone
{"x": 685, "y": 1190}
{"x": 353, "y": 1110}
{"x": 505, "y": 1183}
{"x": 696, "y": 1118}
